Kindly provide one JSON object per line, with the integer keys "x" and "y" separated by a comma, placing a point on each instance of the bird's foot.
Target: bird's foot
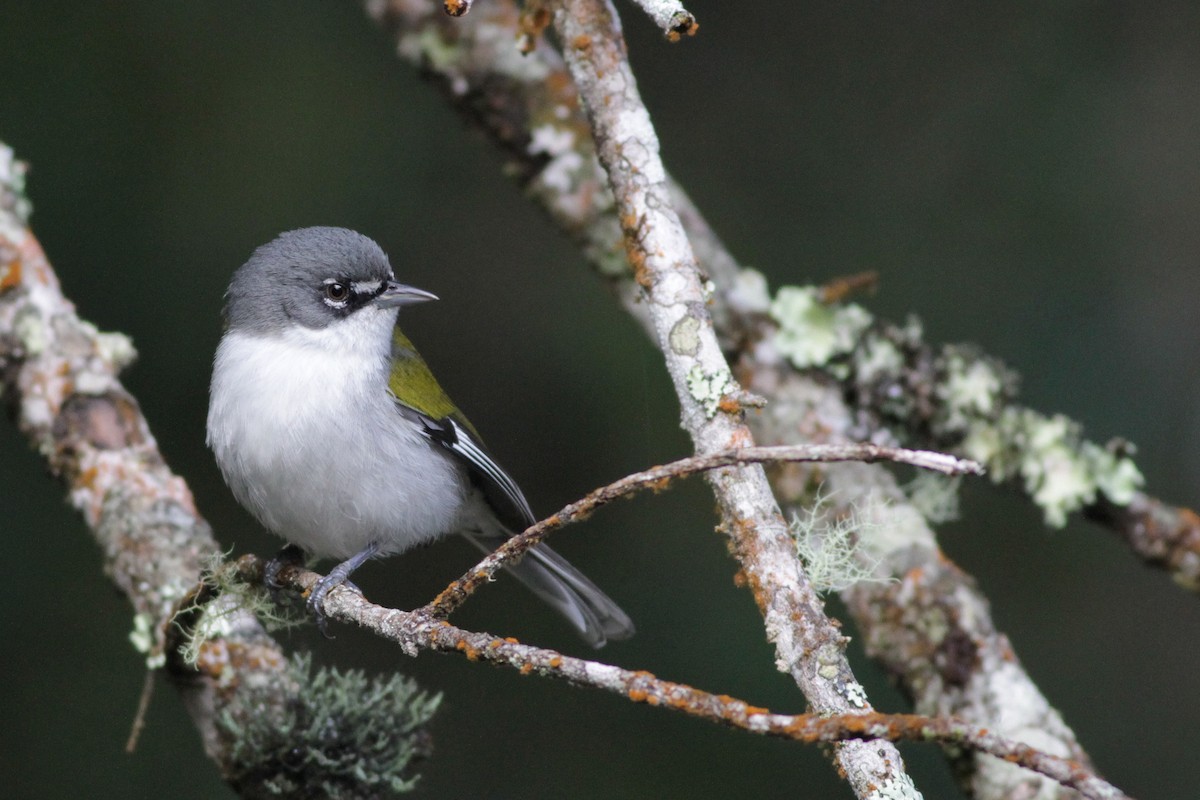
{"x": 338, "y": 576}
{"x": 316, "y": 600}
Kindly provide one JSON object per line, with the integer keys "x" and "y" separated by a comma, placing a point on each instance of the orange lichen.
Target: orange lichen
{"x": 526, "y": 669}
{"x": 741, "y": 438}
{"x": 509, "y": 639}
{"x": 729, "y": 405}
{"x": 581, "y": 42}
{"x": 10, "y": 276}
{"x": 456, "y": 8}
{"x": 87, "y": 479}
{"x": 685, "y": 25}
{"x": 659, "y": 485}
{"x": 637, "y": 260}
{"x": 555, "y": 663}
{"x": 533, "y": 22}
{"x": 212, "y": 658}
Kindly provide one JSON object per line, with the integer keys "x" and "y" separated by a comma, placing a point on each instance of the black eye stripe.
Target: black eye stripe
{"x": 344, "y": 295}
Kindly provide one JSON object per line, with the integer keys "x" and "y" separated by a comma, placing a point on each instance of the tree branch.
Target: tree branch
{"x": 670, "y": 15}
{"x": 658, "y": 478}
{"x": 58, "y": 374}
{"x": 806, "y": 640}
{"x": 418, "y": 630}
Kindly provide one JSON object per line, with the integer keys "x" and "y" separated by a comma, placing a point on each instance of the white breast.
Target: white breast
{"x": 310, "y": 441}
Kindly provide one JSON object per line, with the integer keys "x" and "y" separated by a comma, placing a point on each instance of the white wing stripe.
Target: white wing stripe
{"x": 466, "y": 445}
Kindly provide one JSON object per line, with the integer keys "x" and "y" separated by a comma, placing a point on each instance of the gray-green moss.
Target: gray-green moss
{"x": 346, "y": 736}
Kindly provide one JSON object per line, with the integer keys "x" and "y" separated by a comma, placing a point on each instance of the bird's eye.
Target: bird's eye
{"x": 337, "y": 292}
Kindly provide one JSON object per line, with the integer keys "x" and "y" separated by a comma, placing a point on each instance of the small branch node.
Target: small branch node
{"x": 670, "y": 15}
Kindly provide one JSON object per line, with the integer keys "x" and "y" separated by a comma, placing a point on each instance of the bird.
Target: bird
{"x": 330, "y": 429}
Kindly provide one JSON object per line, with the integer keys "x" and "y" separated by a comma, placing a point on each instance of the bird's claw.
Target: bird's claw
{"x": 316, "y": 600}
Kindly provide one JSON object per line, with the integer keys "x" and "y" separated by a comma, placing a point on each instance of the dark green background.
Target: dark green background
{"x": 1025, "y": 176}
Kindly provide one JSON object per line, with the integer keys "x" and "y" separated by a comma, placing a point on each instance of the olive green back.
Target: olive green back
{"x": 414, "y": 385}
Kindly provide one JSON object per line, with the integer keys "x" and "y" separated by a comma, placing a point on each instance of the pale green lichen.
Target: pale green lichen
{"x": 143, "y": 639}
{"x": 1057, "y": 468}
{"x": 877, "y": 357}
{"x": 971, "y": 389}
{"x": 30, "y": 330}
{"x": 215, "y": 618}
{"x": 836, "y": 550}
{"x": 117, "y": 348}
{"x": 900, "y": 787}
{"x": 934, "y": 496}
{"x": 142, "y": 635}
{"x": 561, "y": 170}
{"x": 707, "y": 388}
{"x": 960, "y": 399}
{"x": 431, "y": 48}
{"x": 812, "y": 333}
{"x": 1119, "y": 478}
{"x": 750, "y": 293}
{"x": 12, "y": 185}
{"x": 684, "y": 337}
{"x": 855, "y": 694}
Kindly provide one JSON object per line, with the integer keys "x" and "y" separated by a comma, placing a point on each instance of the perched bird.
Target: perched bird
{"x": 330, "y": 429}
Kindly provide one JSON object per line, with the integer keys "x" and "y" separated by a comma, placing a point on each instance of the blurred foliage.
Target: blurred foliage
{"x": 1023, "y": 175}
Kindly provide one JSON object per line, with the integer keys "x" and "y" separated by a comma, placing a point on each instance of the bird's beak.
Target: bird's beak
{"x": 398, "y": 294}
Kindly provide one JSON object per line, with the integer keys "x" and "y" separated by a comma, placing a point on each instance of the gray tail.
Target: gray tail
{"x": 552, "y": 578}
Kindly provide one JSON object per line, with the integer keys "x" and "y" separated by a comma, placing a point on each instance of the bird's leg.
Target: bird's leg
{"x": 336, "y": 577}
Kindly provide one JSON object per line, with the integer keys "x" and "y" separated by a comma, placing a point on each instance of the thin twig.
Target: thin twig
{"x": 658, "y": 477}
{"x": 139, "y": 716}
{"x": 670, "y": 15}
{"x": 1164, "y": 535}
{"x": 415, "y": 631}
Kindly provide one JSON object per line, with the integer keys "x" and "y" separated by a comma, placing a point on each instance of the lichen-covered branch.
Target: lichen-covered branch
{"x": 670, "y": 15}
{"x": 959, "y": 399}
{"x": 415, "y": 631}
{"x": 930, "y": 627}
{"x": 1164, "y": 535}
{"x": 58, "y": 375}
{"x": 658, "y": 478}
{"x": 808, "y": 645}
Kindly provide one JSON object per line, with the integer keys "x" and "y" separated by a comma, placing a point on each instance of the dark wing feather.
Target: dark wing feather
{"x": 420, "y": 399}
{"x": 500, "y": 490}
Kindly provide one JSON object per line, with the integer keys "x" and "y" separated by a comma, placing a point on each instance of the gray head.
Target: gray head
{"x": 312, "y": 277}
